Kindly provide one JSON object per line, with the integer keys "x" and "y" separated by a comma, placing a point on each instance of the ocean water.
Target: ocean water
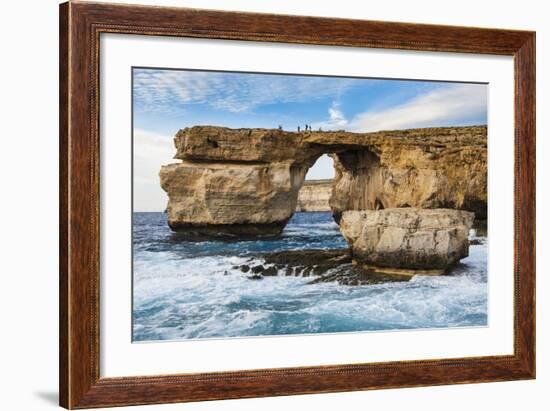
{"x": 189, "y": 289}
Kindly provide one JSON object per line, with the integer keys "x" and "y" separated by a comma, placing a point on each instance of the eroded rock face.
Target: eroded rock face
{"x": 246, "y": 181}
{"x": 425, "y": 168}
{"x": 407, "y": 240}
{"x": 209, "y": 143}
{"x": 235, "y": 199}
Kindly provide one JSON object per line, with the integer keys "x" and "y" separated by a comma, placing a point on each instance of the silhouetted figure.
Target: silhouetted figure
{"x": 280, "y": 127}
{"x": 298, "y": 129}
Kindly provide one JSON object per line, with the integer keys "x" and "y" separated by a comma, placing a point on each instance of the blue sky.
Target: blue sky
{"x": 168, "y": 100}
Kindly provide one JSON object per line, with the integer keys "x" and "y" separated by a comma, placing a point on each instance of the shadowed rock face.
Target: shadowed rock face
{"x": 246, "y": 181}
{"x": 407, "y": 240}
{"x": 429, "y": 168}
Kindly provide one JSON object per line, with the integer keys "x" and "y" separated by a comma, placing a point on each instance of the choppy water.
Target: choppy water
{"x": 185, "y": 289}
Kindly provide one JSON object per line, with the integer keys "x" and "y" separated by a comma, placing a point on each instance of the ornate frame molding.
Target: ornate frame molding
{"x": 80, "y": 27}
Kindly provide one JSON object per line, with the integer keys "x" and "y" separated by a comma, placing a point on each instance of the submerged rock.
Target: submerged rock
{"x": 352, "y": 275}
{"x": 257, "y": 269}
{"x": 298, "y": 262}
{"x": 304, "y": 263}
{"x": 270, "y": 271}
{"x": 407, "y": 241}
{"x": 324, "y": 265}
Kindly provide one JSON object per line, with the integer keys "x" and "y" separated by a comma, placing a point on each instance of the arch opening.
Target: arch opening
{"x": 316, "y": 189}
{"x": 322, "y": 169}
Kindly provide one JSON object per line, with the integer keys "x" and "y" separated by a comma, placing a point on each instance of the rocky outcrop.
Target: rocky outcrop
{"x": 314, "y": 196}
{"x": 407, "y": 241}
{"x": 323, "y": 265}
{"x": 246, "y": 181}
{"x": 240, "y": 199}
{"x": 302, "y": 263}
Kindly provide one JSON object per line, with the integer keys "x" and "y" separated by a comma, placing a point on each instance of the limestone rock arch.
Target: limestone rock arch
{"x": 246, "y": 181}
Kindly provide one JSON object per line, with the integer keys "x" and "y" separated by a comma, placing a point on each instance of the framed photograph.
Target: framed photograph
{"x": 259, "y": 205}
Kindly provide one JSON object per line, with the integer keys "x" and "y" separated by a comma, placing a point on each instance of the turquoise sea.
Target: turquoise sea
{"x": 185, "y": 289}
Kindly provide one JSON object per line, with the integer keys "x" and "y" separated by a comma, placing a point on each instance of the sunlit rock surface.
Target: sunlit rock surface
{"x": 235, "y": 199}
{"x": 407, "y": 240}
{"x": 246, "y": 181}
{"x": 314, "y": 196}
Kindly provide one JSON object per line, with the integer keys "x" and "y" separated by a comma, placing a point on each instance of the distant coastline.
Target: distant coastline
{"x": 314, "y": 196}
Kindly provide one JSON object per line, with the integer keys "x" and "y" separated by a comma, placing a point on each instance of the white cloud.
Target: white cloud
{"x": 441, "y": 107}
{"x": 448, "y": 105}
{"x": 336, "y": 119}
{"x": 168, "y": 90}
{"x": 151, "y": 151}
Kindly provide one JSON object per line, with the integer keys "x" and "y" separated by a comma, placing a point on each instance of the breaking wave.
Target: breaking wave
{"x": 185, "y": 289}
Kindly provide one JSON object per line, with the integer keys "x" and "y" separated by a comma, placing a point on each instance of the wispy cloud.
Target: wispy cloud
{"x": 457, "y": 104}
{"x": 170, "y": 90}
{"x": 448, "y": 105}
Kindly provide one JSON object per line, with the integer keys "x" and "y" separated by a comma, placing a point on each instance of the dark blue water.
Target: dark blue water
{"x": 304, "y": 230}
{"x": 189, "y": 289}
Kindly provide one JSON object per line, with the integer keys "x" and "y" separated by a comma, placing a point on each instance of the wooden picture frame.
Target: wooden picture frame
{"x": 80, "y": 27}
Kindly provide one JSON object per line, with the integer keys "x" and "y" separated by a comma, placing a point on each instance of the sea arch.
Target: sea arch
{"x": 246, "y": 181}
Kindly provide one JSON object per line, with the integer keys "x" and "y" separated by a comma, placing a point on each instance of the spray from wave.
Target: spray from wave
{"x": 185, "y": 289}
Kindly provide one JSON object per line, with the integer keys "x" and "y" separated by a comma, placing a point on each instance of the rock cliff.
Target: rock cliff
{"x": 246, "y": 181}
{"x": 314, "y": 196}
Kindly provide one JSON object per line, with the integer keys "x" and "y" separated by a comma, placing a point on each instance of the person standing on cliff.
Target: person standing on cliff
{"x": 298, "y": 129}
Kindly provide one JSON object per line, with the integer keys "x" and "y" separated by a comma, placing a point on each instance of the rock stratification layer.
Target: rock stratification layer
{"x": 407, "y": 240}
{"x": 314, "y": 196}
{"x": 242, "y": 199}
{"x": 246, "y": 181}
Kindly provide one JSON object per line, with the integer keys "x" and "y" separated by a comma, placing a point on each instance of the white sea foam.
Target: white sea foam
{"x": 180, "y": 296}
